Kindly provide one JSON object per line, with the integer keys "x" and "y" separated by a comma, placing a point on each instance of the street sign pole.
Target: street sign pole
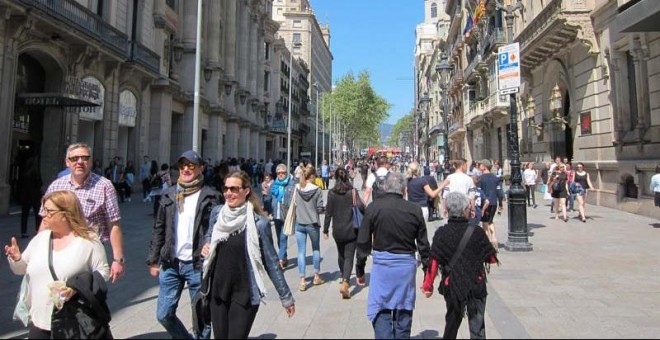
{"x": 508, "y": 61}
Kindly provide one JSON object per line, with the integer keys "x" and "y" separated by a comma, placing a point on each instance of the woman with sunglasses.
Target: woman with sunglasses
{"x": 238, "y": 258}
{"x": 75, "y": 249}
{"x": 582, "y": 184}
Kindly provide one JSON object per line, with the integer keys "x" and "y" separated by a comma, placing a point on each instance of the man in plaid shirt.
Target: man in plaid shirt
{"x": 99, "y": 201}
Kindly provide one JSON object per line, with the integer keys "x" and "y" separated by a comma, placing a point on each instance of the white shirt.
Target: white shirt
{"x": 460, "y": 182}
{"x": 371, "y": 178}
{"x": 530, "y": 176}
{"x": 81, "y": 255}
{"x": 185, "y": 226}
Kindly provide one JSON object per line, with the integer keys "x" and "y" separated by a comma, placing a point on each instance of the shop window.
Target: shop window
{"x": 630, "y": 189}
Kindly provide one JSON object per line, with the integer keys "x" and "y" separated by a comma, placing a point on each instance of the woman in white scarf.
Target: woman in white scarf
{"x": 239, "y": 256}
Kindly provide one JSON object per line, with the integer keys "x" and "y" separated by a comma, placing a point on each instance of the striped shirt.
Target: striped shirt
{"x": 98, "y": 198}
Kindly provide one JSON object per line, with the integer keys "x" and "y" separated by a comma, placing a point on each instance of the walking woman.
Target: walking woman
{"x": 581, "y": 185}
{"x": 339, "y": 211}
{"x": 75, "y": 249}
{"x": 239, "y": 257}
{"x": 530, "y": 176}
{"x": 559, "y": 190}
{"x": 418, "y": 189}
{"x": 309, "y": 204}
{"x": 281, "y": 188}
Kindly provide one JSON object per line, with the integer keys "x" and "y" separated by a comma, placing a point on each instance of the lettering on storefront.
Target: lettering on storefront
{"x": 89, "y": 89}
{"x": 127, "y": 108}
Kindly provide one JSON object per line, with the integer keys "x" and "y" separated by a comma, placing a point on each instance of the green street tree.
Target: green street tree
{"x": 358, "y": 108}
{"x": 402, "y": 128}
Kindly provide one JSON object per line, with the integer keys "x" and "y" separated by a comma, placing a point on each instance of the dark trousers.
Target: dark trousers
{"x": 231, "y": 320}
{"x": 146, "y": 188}
{"x": 326, "y": 182}
{"x": 531, "y": 197}
{"x": 38, "y": 333}
{"x": 393, "y": 324}
{"x": 345, "y": 257}
{"x": 476, "y": 308}
{"x": 120, "y": 188}
{"x": 25, "y": 213}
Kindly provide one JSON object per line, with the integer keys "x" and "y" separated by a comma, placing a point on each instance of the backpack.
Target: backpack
{"x": 378, "y": 189}
{"x": 156, "y": 181}
{"x": 558, "y": 185}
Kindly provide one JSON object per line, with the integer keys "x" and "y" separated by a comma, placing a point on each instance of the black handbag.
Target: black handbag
{"x": 76, "y": 319}
{"x": 201, "y": 303}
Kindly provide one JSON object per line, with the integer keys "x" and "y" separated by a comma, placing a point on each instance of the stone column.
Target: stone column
{"x": 214, "y": 136}
{"x": 244, "y": 141}
{"x": 260, "y": 63}
{"x": 160, "y": 124}
{"x": 255, "y": 145}
{"x": 231, "y": 148}
{"x": 262, "y": 147}
{"x": 253, "y": 55}
{"x": 213, "y": 51}
{"x": 230, "y": 33}
{"x": 243, "y": 46}
{"x": 640, "y": 58}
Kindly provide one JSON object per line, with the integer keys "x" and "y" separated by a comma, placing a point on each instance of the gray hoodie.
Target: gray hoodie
{"x": 309, "y": 204}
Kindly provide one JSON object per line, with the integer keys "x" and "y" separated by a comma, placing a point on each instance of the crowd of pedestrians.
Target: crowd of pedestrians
{"x": 214, "y": 235}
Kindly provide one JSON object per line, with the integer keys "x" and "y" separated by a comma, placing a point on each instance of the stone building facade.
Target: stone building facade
{"x": 119, "y": 75}
{"x": 590, "y": 70}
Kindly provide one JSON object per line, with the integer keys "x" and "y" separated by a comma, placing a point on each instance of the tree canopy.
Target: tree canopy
{"x": 403, "y": 125}
{"x": 359, "y": 109}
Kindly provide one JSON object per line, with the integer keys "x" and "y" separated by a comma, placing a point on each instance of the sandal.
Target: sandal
{"x": 318, "y": 281}
{"x": 303, "y": 286}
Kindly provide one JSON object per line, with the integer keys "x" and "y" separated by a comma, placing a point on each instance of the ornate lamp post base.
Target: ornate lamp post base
{"x": 517, "y": 211}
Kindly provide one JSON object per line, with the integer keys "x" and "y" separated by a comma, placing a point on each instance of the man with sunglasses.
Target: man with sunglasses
{"x": 99, "y": 201}
{"x": 177, "y": 240}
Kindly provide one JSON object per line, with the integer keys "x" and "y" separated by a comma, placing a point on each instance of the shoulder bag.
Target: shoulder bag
{"x": 357, "y": 214}
{"x": 444, "y": 283}
{"x": 290, "y": 220}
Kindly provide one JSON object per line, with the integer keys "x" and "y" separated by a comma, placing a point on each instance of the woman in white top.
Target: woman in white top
{"x": 76, "y": 249}
{"x": 530, "y": 176}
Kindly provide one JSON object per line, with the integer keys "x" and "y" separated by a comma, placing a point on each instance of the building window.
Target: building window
{"x": 266, "y": 51}
{"x": 297, "y": 24}
{"x": 434, "y": 10}
{"x": 296, "y": 37}
{"x": 632, "y": 91}
{"x": 171, "y": 4}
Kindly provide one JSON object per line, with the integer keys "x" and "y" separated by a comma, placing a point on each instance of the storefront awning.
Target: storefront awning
{"x": 53, "y": 99}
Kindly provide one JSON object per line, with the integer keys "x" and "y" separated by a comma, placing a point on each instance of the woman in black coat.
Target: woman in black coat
{"x": 341, "y": 199}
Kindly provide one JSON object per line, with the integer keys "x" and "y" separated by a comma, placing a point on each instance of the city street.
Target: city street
{"x": 597, "y": 279}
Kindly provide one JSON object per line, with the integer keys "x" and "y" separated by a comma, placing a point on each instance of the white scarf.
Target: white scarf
{"x": 232, "y": 220}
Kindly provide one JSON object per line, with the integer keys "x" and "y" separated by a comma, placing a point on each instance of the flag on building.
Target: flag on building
{"x": 479, "y": 11}
{"x": 468, "y": 26}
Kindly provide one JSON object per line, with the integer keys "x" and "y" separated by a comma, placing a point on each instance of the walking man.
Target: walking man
{"x": 373, "y": 188}
{"x": 99, "y": 201}
{"x": 394, "y": 229}
{"x": 177, "y": 240}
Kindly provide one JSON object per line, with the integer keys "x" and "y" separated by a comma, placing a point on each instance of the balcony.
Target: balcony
{"x": 457, "y": 81}
{"x": 476, "y": 66}
{"x": 557, "y": 26}
{"x": 85, "y": 21}
{"x": 494, "y": 40}
{"x": 492, "y": 105}
{"x": 145, "y": 57}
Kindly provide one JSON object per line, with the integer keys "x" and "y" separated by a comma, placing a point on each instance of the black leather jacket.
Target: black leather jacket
{"x": 164, "y": 231}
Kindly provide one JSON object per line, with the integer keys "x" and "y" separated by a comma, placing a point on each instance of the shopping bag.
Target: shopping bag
{"x": 290, "y": 220}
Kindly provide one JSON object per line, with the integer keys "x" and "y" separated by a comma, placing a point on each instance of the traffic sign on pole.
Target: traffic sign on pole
{"x": 508, "y": 68}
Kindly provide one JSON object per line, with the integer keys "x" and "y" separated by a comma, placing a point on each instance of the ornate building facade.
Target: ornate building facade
{"x": 590, "y": 69}
{"x": 119, "y": 75}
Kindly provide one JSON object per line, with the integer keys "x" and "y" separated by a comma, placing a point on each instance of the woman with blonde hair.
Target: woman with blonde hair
{"x": 70, "y": 245}
{"x": 418, "y": 188}
{"x": 309, "y": 204}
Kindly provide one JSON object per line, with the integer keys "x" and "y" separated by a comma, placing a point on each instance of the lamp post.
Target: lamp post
{"x": 517, "y": 236}
{"x": 316, "y": 124}
{"x": 198, "y": 66}
{"x": 424, "y": 104}
{"x": 288, "y": 128}
{"x": 444, "y": 69}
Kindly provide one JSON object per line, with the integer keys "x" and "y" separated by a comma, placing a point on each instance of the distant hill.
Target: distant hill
{"x": 385, "y": 131}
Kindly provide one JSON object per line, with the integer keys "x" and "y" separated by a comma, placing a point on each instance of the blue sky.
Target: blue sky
{"x": 377, "y": 36}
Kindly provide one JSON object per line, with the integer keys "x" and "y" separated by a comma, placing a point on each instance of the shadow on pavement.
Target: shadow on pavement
{"x": 427, "y": 334}
{"x": 265, "y": 336}
{"x": 655, "y": 225}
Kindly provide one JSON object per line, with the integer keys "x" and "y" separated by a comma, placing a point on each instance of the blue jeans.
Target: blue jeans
{"x": 282, "y": 239}
{"x": 172, "y": 280}
{"x": 302, "y": 230}
{"x": 393, "y": 324}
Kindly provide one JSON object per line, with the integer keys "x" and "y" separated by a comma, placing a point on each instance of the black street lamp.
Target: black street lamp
{"x": 443, "y": 69}
{"x": 423, "y": 105}
{"x": 518, "y": 237}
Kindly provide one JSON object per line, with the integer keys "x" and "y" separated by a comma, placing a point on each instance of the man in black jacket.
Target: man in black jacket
{"x": 178, "y": 237}
{"x": 394, "y": 229}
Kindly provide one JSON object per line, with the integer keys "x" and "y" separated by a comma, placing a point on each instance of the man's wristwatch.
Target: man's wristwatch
{"x": 120, "y": 260}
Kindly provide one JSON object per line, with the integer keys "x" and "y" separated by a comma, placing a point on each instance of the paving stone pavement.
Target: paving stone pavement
{"x": 597, "y": 279}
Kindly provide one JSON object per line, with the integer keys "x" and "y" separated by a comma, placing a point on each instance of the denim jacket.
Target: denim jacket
{"x": 268, "y": 256}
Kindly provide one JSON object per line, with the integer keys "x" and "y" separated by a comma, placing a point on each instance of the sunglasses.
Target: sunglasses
{"x": 190, "y": 166}
{"x": 51, "y": 212}
{"x": 74, "y": 159}
{"x": 233, "y": 190}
